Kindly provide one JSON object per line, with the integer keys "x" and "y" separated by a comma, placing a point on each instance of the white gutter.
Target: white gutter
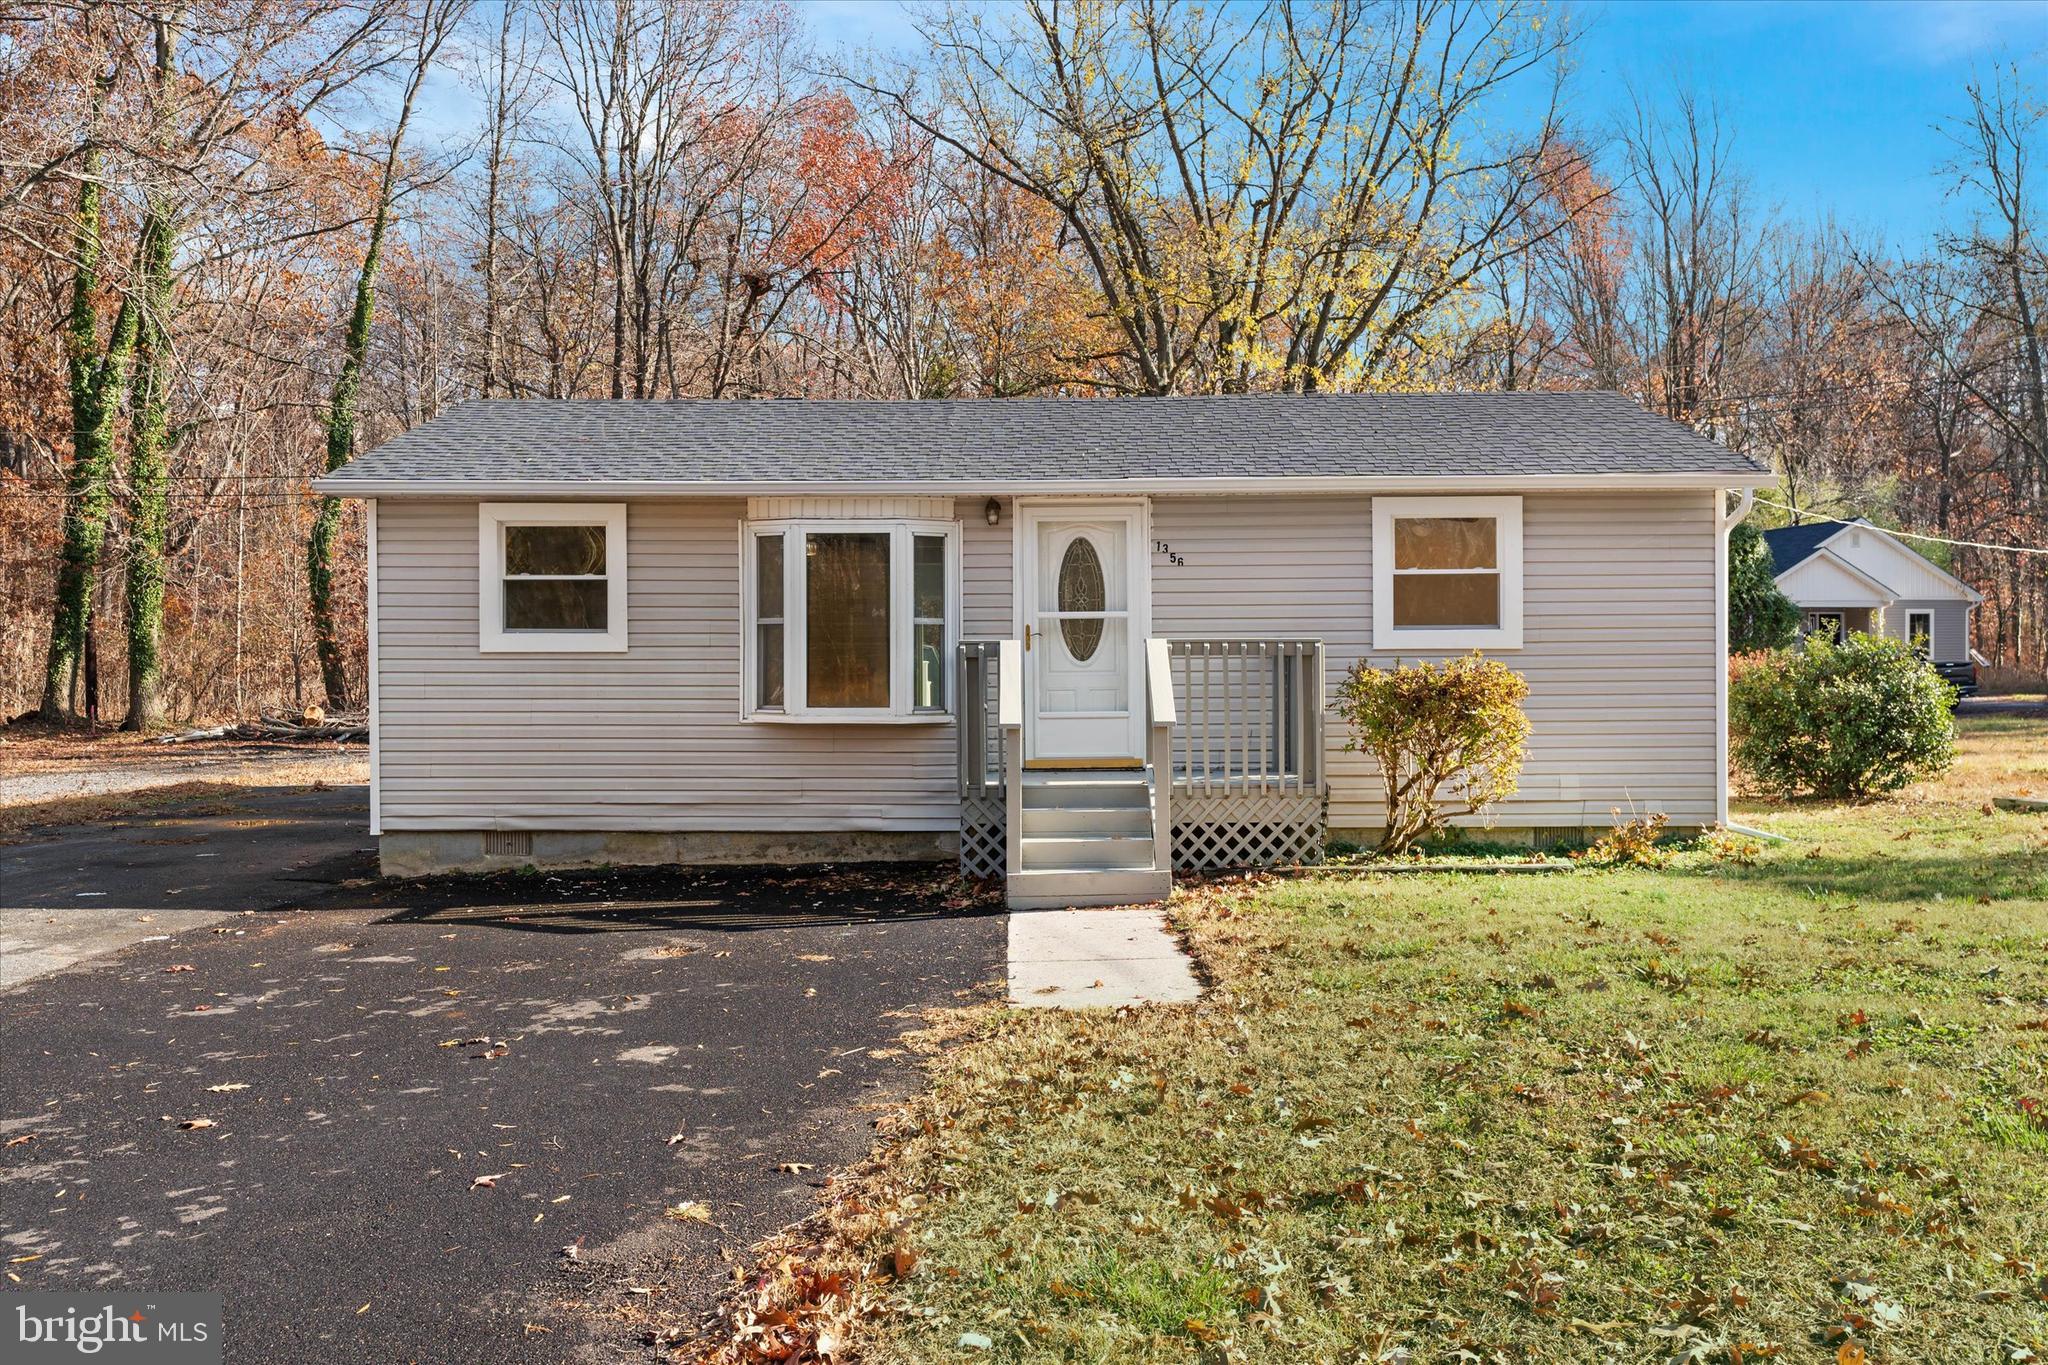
{"x": 368, "y": 487}
{"x": 1727, "y": 521}
{"x": 1730, "y": 520}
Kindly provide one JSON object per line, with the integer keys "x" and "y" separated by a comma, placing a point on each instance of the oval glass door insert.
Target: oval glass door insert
{"x": 1081, "y": 589}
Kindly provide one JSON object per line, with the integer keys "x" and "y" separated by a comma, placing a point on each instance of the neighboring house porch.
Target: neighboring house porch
{"x": 1853, "y": 577}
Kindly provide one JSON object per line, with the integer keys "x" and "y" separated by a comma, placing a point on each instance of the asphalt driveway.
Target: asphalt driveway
{"x": 377, "y": 1116}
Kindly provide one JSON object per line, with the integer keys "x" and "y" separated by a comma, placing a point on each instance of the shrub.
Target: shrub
{"x": 1633, "y": 842}
{"x": 1760, "y": 616}
{"x": 1448, "y": 739}
{"x": 1849, "y": 720}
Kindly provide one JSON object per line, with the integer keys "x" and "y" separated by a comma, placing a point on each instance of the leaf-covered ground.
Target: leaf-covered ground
{"x": 1783, "y": 1101}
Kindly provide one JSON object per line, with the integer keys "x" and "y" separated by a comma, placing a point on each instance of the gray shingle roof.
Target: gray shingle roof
{"x": 1790, "y": 545}
{"x": 578, "y": 443}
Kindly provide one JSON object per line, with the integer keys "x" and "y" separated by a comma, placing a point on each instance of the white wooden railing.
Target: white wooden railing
{"x": 1252, "y": 715}
{"x": 1237, "y": 726}
{"x": 1161, "y": 714}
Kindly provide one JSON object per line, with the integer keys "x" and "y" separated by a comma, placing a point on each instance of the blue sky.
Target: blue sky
{"x": 1833, "y": 105}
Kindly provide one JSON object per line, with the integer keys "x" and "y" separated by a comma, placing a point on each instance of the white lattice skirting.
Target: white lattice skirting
{"x": 1246, "y": 829}
{"x": 1209, "y": 832}
{"x": 981, "y": 835}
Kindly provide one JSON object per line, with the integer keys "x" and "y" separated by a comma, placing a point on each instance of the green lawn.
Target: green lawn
{"x": 1758, "y": 1101}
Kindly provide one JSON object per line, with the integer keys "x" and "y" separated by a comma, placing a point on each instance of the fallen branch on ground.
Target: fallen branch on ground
{"x": 336, "y": 729}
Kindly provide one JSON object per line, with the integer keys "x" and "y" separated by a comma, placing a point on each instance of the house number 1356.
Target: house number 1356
{"x": 1161, "y": 547}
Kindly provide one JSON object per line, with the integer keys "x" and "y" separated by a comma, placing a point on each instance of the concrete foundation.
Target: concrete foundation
{"x": 421, "y": 853}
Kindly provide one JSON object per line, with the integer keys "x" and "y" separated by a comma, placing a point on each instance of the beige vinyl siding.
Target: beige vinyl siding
{"x": 1950, "y": 642}
{"x": 1620, "y": 652}
{"x": 1619, "y": 635}
{"x": 651, "y": 739}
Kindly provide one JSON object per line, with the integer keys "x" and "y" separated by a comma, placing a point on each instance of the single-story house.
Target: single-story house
{"x": 1075, "y": 643}
{"x": 1851, "y": 576}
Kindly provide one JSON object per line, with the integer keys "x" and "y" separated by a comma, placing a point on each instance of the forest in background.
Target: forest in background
{"x": 239, "y": 240}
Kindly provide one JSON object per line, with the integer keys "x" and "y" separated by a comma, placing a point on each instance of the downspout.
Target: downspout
{"x": 1746, "y": 501}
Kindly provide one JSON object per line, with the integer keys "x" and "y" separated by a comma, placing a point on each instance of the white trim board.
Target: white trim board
{"x": 979, "y": 487}
{"x": 375, "y": 720}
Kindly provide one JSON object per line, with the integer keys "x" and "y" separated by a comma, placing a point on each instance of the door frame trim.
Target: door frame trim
{"x": 1024, "y": 513}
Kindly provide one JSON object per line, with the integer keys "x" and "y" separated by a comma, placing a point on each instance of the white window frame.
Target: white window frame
{"x": 492, "y": 520}
{"x": 902, "y": 603}
{"x": 1929, "y": 615}
{"x": 1506, "y": 513}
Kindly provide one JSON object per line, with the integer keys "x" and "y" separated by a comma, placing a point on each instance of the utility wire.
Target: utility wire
{"x": 1910, "y": 535}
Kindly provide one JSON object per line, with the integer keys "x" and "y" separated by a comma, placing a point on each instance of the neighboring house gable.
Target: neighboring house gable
{"x": 1875, "y": 553}
{"x": 1827, "y": 580}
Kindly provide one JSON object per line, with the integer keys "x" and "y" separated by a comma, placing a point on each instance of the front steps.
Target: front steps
{"x": 1087, "y": 840}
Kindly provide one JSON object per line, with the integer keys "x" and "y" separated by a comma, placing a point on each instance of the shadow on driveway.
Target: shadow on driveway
{"x": 420, "y": 1094}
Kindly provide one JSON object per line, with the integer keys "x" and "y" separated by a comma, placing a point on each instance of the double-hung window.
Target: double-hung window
{"x": 850, "y": 620}
{"x": 1447, "y": 573}
{"x": 552, "y": 577}
{"x": 1920, "y": 632}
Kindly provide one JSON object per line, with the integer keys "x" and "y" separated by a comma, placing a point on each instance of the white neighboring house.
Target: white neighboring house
{"x": 1075, "y": 643}
{"x": 1849, "y": 576}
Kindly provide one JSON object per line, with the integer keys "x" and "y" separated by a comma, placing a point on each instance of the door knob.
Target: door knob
{"x": 1027, "y": 637}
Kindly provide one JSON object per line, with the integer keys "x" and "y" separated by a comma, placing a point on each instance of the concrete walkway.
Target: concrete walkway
{"x": 1082, "y": 959}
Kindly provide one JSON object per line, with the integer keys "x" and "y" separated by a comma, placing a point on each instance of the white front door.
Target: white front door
{"x": 1084, "y": 605}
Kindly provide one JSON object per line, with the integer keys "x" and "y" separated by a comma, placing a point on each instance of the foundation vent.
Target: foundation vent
{"x": 508, "y": 843}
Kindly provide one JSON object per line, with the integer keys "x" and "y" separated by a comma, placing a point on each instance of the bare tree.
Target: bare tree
{"x": 1297, "y": 195}
{"x": 1699, "y": 254}
{"x": 436, "y": 20}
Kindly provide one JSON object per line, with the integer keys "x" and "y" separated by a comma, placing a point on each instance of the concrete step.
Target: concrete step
{"x": 1052, "y": 790}
{"x": 1084, "y": 852}
{"x": 1078, "y": 819}
{"x": 1059, "y": 890}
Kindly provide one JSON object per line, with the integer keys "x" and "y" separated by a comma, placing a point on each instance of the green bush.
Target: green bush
{"x": 1457, "y": 725}
{"x": 1760, "y": 616}
{"x": 1848, "y": 721}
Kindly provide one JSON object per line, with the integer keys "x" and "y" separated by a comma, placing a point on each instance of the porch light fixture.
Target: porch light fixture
{"x": 994, "y": 511}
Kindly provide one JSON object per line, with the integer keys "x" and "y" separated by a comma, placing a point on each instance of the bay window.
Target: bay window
{"x": 849, "y": 619}
{"x": 1447, "y": 573}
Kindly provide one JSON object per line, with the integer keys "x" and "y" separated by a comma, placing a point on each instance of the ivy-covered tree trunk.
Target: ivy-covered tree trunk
{"x": 97, "y": 380}
{"x": 149, "y": 481}
{"x": 437, "y": 20}
{"x": 341, "y": 441}
{"x": 149, "y": 436}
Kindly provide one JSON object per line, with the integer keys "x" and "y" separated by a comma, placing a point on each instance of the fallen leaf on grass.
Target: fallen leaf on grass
{"x": 976, "y": 1341}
